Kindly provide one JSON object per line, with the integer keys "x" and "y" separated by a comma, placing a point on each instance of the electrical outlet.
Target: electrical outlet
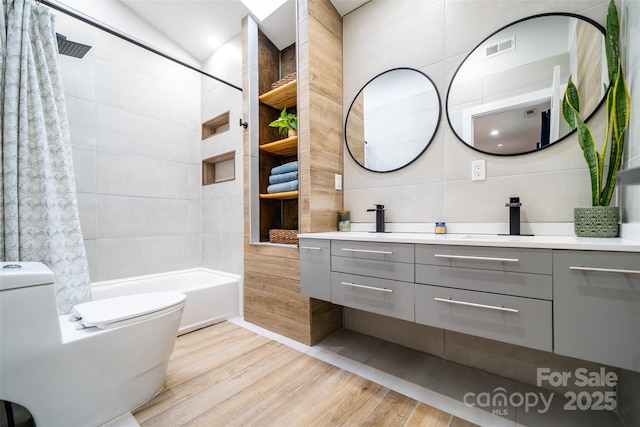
{"x": 478, "y": 171}
{"x": 338, "y": 185}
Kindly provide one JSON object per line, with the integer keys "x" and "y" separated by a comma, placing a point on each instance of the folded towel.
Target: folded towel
{"x": 284, "y": 186}
{"x": 283, "y": 177}
{"x": 287, "y": 167}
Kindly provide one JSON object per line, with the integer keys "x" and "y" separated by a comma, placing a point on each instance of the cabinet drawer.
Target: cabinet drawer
{"x": 374, "y": 268}
{"x": 315, "y": 268}
{"x": 521, "y": 321}
{"x": 386, "y": 297}
{"x": 486, "y": 258}
{"x": 397, "y": 252}
{"x": 500, "y": 282}
{"x": 597, "y": 306}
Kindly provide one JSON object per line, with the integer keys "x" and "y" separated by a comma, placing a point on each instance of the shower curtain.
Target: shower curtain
{"x": 39, "y": 218}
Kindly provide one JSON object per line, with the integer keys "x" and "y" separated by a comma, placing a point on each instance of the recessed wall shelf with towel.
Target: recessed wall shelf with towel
{"x": 278, "y": 187}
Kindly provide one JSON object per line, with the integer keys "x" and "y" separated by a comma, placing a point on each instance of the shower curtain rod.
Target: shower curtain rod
{"x": 123, "y": 36}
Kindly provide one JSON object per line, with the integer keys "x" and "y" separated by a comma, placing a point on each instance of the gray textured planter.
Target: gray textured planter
{"x": 596, "y": 221}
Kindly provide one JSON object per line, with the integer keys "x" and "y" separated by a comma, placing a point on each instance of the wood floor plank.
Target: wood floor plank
{"x": 393, "y": 410}
{"x": 427, "y": 416}
{"x": 356, "y": 405}
{"x": 195, "y": 396}
{"x": 243, "y": 409}
{"x": 188, "y": 366}
{"x": 225, "y": 375}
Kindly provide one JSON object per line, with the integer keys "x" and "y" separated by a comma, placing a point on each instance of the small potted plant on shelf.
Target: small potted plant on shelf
{"x": 601, "y": 220}
{"x": 287, "y": 124}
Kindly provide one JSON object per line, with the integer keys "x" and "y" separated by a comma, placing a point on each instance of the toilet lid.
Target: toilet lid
{"x": 111, "y": 312}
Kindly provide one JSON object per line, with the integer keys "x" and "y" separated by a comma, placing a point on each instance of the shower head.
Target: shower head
{"x": 69, "y": 48}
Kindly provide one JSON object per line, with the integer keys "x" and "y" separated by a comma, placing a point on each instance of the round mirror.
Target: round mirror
{"x": 392, "y": 120}
{"x": 506, "y": 96}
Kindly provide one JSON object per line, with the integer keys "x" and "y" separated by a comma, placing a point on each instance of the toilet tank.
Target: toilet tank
{"x": 28, "y": 309}
{"x": 23, "y": 274}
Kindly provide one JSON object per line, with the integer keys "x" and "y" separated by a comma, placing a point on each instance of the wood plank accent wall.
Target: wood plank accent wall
{"x": 272, "y": 296}
{"x": 320, "y": 140}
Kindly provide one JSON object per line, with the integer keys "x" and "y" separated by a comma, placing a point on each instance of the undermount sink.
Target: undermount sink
{"x": 495, "y": 237}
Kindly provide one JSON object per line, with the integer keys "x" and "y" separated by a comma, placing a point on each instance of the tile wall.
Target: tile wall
{"x": 222, "y": 203}
{"x": 434, "y": 37}
{"x": 135, "y": 123}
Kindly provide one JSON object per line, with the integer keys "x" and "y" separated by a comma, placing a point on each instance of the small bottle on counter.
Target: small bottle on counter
{"x": 441, "y": 228}
{"x": 344, "y": 221}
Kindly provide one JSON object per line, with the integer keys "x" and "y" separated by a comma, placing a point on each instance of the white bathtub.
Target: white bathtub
{"x": 212, "y": 296}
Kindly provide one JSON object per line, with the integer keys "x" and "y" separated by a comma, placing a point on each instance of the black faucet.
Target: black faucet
{"x": 514, "y": 215}
{"x": 379, "y": 210}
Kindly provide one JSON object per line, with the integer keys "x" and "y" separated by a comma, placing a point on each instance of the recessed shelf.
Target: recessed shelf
{"x": 285, "y": 195}
{"x": 281, "y": 97}
{"x": 283, "y": 147}
{"x": 215, "y": 126}
{"x": 219, "y": 168}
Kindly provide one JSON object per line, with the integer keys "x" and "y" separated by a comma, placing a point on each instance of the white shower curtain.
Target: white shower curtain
{"x": 39, "y": 219}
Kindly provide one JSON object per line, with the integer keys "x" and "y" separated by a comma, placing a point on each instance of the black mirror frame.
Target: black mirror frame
{"x": 446, "y": 105}
{"x": 435, "y": 130}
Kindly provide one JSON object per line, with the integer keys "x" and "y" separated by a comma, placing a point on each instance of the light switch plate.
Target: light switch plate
{"x": 338, "y": 181}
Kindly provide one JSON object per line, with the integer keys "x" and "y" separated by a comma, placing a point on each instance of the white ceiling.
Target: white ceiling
{"x": 189, "y": 22}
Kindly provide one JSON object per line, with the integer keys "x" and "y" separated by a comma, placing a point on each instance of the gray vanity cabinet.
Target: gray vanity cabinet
{"x": 497, "y": 293}
{"x": 315, "y": 268}
{"x": 578, "y": 303}
{"x": 508, "y": 271}
{"x": 597, "y": 306}
{"x": 373, "y": 276}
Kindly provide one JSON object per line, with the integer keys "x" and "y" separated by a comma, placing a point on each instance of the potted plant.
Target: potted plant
{"x": 287, "y": 123}
{"x": 601, "y": 220}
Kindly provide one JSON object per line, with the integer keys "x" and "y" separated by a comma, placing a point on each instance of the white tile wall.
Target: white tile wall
{"x": 435, "y": 37}
{"x": 135, "y": 125}
{"x": 222, "y": 203}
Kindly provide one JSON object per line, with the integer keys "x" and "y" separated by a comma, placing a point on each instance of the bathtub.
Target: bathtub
{"x": 212, "y": 296}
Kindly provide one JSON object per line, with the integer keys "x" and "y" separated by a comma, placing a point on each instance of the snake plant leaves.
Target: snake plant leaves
{"x": 618, "y": 104}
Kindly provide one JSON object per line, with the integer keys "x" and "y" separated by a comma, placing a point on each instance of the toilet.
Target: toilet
{"x": 88, "y": 367}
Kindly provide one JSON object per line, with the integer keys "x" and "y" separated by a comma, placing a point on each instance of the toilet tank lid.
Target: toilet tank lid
{"x": 110, "y": 310}
{"x": 22, "y": 274}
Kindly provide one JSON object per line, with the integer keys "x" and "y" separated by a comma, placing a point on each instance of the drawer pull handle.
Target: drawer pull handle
{"x": 367, "y": 251}
{"x": 477, "y": 258}
{"x": 311, "y": 248}
{"x": 605, "y": 270}
{"x": 472, "y": 304}
{"x": 355, "y": 285}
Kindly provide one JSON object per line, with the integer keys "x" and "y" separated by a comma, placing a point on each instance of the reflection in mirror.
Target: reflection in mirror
{"x": 506, "y": 96}
{"x": 392, "y": 120}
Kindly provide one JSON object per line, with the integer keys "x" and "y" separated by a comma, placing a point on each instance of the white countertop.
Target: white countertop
{"x": 545, "y": 242}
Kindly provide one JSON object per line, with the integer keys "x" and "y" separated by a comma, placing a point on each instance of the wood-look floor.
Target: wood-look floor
{"x": 225, "y": 375}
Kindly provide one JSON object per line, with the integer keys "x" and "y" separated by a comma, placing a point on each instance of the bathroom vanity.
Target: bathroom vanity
{"x": 576, "y": 297}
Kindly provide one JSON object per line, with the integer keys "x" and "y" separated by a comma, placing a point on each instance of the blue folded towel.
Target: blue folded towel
{"x": 284, "y": 186}
{"x": 283, "y": 177}
{"x": 287, "y": 167}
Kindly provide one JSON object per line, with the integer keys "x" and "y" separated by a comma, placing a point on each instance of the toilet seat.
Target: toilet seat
{"x": 119, "y": 311}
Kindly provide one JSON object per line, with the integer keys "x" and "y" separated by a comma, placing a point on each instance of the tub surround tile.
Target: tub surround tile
{"x": 122, "y": 217}
{"x": 82, "y": 121}
{"x": 87, "y": 208}
{"x": 84, "y": 168}
{"x": 130, "y": 133}
{"x": 131, "y": 175}
{"x": 126, "y": 257}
